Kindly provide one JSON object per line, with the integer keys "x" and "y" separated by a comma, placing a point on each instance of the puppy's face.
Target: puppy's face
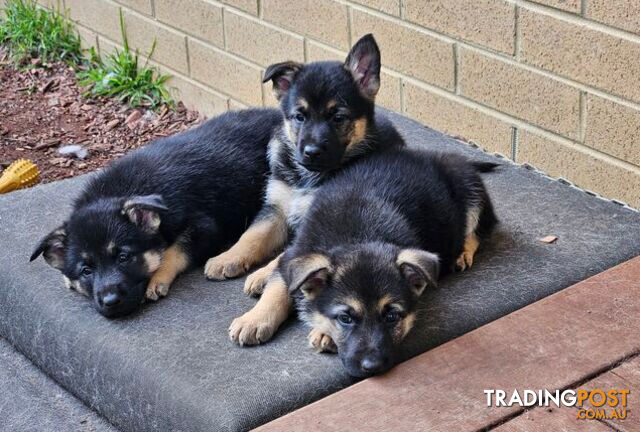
{"x": 364, "y": 297}
{"x": 327, "y": 105}
{"x": 107, "y": 251}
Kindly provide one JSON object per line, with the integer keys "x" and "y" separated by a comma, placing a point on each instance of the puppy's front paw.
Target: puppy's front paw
{"x": 464, "y": 261}
{"x": 321, "y": 342}
{"x": 256, "y": 281}
{"x": 252, "y": 328}
{"x": 225, "y": 266}
{"x": 157, "y": 288}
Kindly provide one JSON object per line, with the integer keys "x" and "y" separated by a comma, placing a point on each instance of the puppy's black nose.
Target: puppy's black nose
{"x": 372, "y": 364}
{"x": 312, "y": 151}
{"x": 110, "y": 298}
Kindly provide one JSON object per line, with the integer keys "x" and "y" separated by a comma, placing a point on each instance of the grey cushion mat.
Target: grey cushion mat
{"x": 30, "y": 401}
{"x": 171, "y": 367}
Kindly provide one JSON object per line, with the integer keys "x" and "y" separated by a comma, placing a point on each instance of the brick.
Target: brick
{"x": 490, "y": 23}
{"x": 170, "y": 44}
{"x": 624, "y": 14}
{"x": 567, "y": 5}
{"x": 586, "y": 169}
{"x": 389, "y": 93}
{"x": 221, "y": 71}
{"x": 581, "y": 53}
{"x": 250, "y": 6}
{"x": 100, "y": 15}
{"x": 106, "y": 47}
{"x": 269, "y": 98}
{"x": 196, "y": 17}
{"x": 143, "y": 6}
{"x": 88, "y": 38}
{"x": 457, "y": 119}
{"x": 195, "y": 96}
{"x": 613, "y": 129}
{"x": 325, "y": 20}
{"x": 392, "y": 7}
{"x": 263, "y": 44}
{"x": 516, "y": 91}
{"x": 409, "y": 51}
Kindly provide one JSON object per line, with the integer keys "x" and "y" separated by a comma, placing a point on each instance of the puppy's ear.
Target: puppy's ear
{"x": 282, "y": 75}
{"x": 420, "y": 268}
{"x": 144, "y": 211}
{"x": 52, "y": 248}
{"x": 309, "y": 274}
{"x": 363, "y": 62}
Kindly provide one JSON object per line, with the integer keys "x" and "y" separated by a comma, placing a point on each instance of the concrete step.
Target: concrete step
{"x": 31, "y": 401}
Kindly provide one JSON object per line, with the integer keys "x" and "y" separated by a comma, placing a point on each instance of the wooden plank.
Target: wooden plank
{"x": 623, "y": 377}
{"x": 550, "y": 344}
{"x": 562, "y": 419}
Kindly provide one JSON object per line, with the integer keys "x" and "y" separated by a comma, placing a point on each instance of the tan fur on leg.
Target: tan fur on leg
{"x": 257, "y": 244}
{"x": 256, "y": 281}
{"x": 471, "y": 245}
{"x": 321, "y": 342}
{"x": 174, "y": 262}
{"x": 261, "y": 322}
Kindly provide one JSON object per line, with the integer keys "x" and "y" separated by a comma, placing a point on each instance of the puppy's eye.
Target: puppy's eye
{"x": 345, "y": 319}
{"x": 339, "y": 118}
{"x": 299, "y": 117}
{"x": 391, "y": 317}
{"x": 86, "y": 271}
{"x": 123, "y": 257}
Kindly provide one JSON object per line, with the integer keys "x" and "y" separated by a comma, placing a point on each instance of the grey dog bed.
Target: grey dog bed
{"x": 172, "y": 366}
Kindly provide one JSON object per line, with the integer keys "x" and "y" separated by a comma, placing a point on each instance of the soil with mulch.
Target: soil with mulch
{"x": 43, "y": 109}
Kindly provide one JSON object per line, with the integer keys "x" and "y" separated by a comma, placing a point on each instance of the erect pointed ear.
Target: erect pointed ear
{"x": 52, "y": 248}
{"x": 144, "y": 211}
{"x": 282, "y": 75}
{"x": 363, "y": 62}
{"x": 420, "y": 268}
{"x": 309, "y": 274}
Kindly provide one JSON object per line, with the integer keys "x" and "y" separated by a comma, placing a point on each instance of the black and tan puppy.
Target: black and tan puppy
{"x": 374, "y": 238}
{"x": 157, "y": 211}
{"x": 329, "y": 121}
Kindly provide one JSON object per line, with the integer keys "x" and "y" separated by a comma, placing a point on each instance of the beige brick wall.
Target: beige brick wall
{"x": 562, "y": 74}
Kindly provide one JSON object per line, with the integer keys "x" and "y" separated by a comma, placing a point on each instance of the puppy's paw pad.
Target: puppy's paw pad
{"x": 464, "y": 261}
{"x": 250, "y": 329}
{"x": 256, "y": 281}
{"x": 321, "y": 342}
{"x": 225, "y": 266}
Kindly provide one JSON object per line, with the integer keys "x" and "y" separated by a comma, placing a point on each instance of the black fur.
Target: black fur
{"x": 204, "y": 186}
{"x": 361, "y": 221}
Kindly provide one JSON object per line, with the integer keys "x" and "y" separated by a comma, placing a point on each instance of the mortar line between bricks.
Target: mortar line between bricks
{"x": 583, "y": 116}
{"x": 577, "y": 20}
{"x": 153, "y": 8}
{"x": 350, "y": 25}
{"x": 223, "y": 13}
{"x": 521, "y": 124}
{"x": 262, "y": 22}
{"x": 583, "y": 8}
{"x": 456, "y": 69}
{"x": 517, "y": 35}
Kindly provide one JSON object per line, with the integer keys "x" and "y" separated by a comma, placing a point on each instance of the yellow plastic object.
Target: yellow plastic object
{"x": 20, "y": 174}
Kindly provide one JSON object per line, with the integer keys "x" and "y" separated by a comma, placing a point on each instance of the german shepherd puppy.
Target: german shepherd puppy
{"x": 157, "y": 211}
{"x": 374, "y": 238}
{"x": 329, "y": 121}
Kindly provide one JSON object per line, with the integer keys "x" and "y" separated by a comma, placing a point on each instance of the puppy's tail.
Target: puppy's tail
{"x": 485, "y": 167}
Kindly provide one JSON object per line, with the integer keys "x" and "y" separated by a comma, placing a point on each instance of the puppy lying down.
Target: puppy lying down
{"x": 375, "y": 237}
{"x": 161, "y": 209}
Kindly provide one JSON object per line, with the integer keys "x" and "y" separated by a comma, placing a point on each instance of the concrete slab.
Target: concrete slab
{"x": 171, "y": 367}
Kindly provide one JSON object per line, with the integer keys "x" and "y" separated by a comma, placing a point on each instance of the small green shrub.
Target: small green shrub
{"x": 29, "y": 31}
{"x": 122, "y": 77}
